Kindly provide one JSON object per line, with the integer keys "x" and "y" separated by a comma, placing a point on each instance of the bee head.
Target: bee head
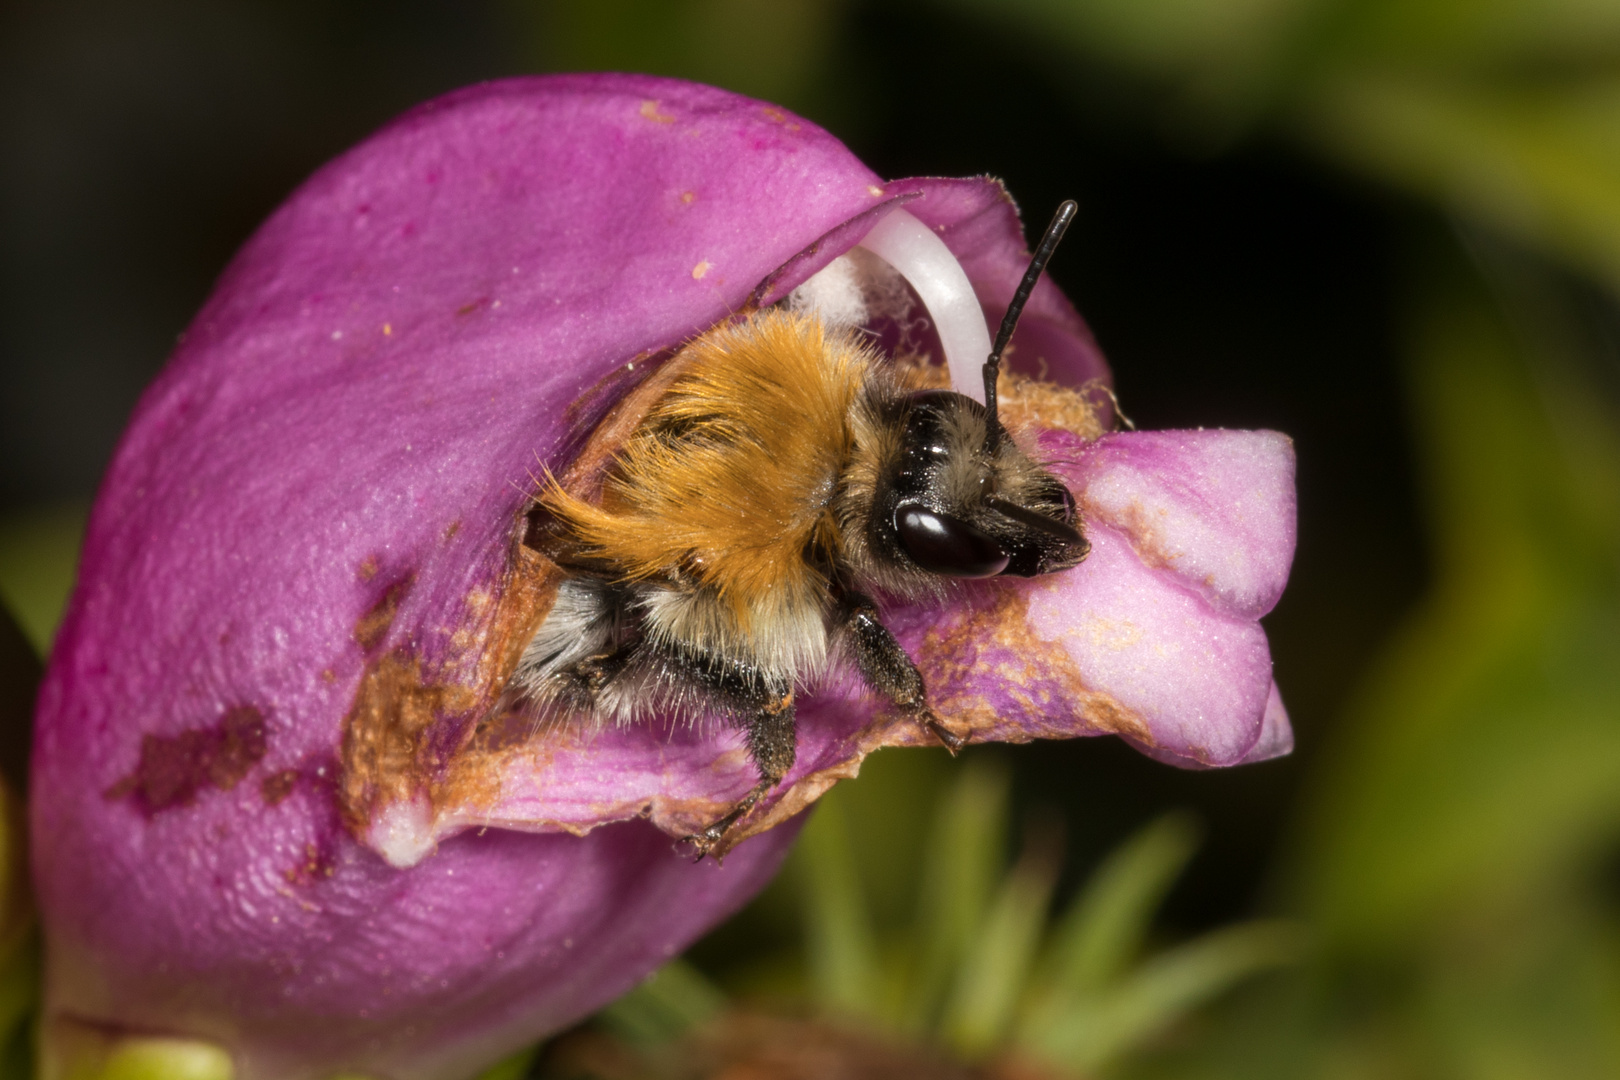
{"x": 962, "y": 500}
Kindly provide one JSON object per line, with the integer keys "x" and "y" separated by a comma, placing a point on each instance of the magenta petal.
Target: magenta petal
{"x": 1171, "y": 634}
{"x": 1276, "y": 739}
{"x": 1216, "y": 508}
{"x": 305, "y": 955}
{"x": 1197, "y": 679}
{"x": 1276, "y": 733}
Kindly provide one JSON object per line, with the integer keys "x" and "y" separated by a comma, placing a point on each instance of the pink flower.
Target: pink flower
{"x": 265, "y": 815}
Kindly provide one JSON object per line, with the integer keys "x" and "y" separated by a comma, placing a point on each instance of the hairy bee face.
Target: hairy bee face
{"x": 958, "y": 498}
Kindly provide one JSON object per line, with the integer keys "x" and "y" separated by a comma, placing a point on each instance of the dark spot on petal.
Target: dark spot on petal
{"x": 174, "y": 768}
{"x": 450, "y": 532}
{"x": 367, "y": 569}
{"x": 316, "y": 863}
{"x": 374, "y": 625}
{"x": 277, "y": 786}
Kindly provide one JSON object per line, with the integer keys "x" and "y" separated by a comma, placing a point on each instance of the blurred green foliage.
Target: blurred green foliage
{"x": 92, "y": 1054}
{"x": 1456, "y": 853}
{"x": 39, "y": 551}
{"x": 668, "y": 1003}
{"x": 776, "y": 50}
{"x": 978, "y": 968}
{"x": 1503, "y": 112}
{"x": 515, "y": 1067}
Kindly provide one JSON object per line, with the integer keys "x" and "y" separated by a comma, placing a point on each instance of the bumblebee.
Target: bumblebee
{"x": 785, "y": 476}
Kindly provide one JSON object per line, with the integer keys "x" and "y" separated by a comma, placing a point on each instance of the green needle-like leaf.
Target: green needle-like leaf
{"x": 964, "y": 856}
{"x": 1103, "y": 929}
{"x": 668, "y": 1003}
{"x": 1162, "y": 990}
{"x": 515, "y": 1067}
{"x": 39, "y": 552}
{"x": 994, "y": 973}
{"x": 842, "y": 953}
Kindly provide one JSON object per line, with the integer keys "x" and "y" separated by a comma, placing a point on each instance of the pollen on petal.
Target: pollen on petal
{"x": 699, "y": 270}
{"x": 649, "y": 109}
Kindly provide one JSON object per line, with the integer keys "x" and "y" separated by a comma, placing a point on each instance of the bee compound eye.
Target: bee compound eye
{"x": 942, "y": 544}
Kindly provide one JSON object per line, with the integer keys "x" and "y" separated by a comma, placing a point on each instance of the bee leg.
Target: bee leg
{"x": 887, "y": 669}
{"x": 772, "y": 743}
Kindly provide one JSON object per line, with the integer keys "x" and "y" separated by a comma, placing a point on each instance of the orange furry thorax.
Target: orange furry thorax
{"x": 727, "y": 481}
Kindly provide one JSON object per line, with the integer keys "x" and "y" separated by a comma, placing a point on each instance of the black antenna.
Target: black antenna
{"x": 1009, "y": 322}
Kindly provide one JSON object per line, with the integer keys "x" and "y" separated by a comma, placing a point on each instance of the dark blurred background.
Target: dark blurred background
{"x": 1391, "y": 230}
